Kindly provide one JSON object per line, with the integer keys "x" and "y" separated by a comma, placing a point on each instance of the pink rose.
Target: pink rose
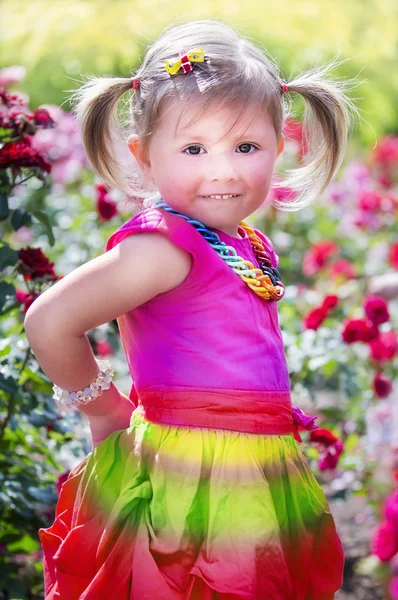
{"x": 393, "y": 255}
{"x": 384, "y": 346}
{"x": 390, "y": 509}
{"x": 385, "y": 541}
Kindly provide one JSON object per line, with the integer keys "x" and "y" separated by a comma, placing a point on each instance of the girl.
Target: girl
{"x": 196, "y": 487}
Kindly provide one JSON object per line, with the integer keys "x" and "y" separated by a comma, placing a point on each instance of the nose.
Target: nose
{"x": 221, "y": 168}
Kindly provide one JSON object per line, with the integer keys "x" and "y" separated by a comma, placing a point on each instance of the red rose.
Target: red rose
{"x": 316, "y": 258}
{"x": 101, "y": 190}
{"x": 342, "y": 268}
{"x": 21, "y": 154}
{"x": 104, "y": 348}
{"x": 384, "y": 346}
{"x": 393, "y": 255}
{"x": 35, "y": 265}
{"x": 382, "y": 386}
{"x": 26, "y": 299}
{"x": 359, "y": 330}
{"x": 330, "y": 458}
{"x": 323, "y": 436}
{"x": 106, "y": 209}
{"x": 333, "y": 447}
{"x": 315, "y": 318}
{"x": 376, "y": 309}
{"x": 330, "y": 302}
{"x": 10, "y": 100}
{"x": 29, "y": 300}
{"x": 42, "y": 118}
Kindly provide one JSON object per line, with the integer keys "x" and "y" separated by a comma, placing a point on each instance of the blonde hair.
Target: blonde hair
{"x": 238, "y": 74}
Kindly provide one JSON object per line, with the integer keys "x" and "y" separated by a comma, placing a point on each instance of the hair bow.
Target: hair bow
{"x": 185, "y": 61}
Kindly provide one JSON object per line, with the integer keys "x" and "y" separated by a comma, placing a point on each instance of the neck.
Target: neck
{"x": 234, "y": 234}
{"x": 231, "y": 232}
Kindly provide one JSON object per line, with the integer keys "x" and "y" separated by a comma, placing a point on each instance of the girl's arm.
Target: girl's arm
{"x": 137, "y": 269}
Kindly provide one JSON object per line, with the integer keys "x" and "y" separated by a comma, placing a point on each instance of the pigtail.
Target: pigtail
{"x": 328, "y": 118}
{"x": 95, "y": 106}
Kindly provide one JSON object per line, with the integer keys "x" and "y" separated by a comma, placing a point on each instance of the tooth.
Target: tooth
{"x": 221, "y": 197}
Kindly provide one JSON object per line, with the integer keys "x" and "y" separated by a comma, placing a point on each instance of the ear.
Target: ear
{"x": 136, "y": 147}
{"x": 281, "y": 145}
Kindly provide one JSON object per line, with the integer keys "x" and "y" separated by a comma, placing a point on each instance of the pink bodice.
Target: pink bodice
{"x": 211, "y": 333}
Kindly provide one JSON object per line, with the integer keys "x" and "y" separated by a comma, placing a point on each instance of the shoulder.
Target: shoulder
{"x": 143, "y": 243}
{"x": 146, "y": 220}
{"x": 173, "y": 227}
{"x": 268, "y": 246}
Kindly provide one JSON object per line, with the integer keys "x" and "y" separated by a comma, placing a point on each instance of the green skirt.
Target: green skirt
{"x": 161, "y": 512}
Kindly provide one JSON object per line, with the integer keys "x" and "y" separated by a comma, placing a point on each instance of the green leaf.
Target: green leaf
{"x": 9, "y": 537}
{"x": 4, "y": 208}
{"x": 8, "y": 257}
{"x": 329, "y": 368}
{"x": 5, "y": 347}
{"x": 24, "y": 544}
{"x": 7, "y": 290}
{"x": 16, "y": 589}
{"x": 5, "y": 132}
{"x": 39, "y": 420}
{"x": 19, "y": 218}
{"x": 44, "y": 220}
{"x": 43, "y": 495}
{"x": 8, "y": 384}
{"x": 4, "y": 181}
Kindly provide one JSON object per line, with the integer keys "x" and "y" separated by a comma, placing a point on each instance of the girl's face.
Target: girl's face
{"x": 190, "y": 164}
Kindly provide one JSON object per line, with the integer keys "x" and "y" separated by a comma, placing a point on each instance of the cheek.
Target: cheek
{"x": 260, "y": 173}
{"x": 175, "y": 177}
{"x": 183, "y": 173}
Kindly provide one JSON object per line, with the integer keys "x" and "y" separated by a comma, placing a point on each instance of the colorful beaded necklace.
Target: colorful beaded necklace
{"x": 265, "y": 282}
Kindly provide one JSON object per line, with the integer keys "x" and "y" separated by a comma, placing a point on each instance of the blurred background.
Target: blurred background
{"x": 57, "y": 41}
{"x": 338, "y": 258}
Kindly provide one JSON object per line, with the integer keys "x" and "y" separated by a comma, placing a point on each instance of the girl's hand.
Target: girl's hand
{"x": 102, "y": 426}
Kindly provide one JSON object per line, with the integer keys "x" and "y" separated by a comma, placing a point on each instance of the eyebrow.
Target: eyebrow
{"x": 199, "y": 138}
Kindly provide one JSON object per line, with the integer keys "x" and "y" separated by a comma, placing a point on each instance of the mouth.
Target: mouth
{"x": 222, "y": 196}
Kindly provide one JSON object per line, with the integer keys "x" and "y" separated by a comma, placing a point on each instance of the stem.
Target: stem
{"x": 13, "y": 184}
{"x": 11, "y": 399}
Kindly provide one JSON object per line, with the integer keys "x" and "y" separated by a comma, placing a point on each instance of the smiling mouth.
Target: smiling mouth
{"x": 222, "y": 196}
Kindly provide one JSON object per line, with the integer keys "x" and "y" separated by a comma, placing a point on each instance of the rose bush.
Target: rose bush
{"x": 42, "y": 171}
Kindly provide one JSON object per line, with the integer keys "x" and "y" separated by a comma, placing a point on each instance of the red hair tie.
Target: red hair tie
{"x": 284, "y": 87}
{"x": 136, "y": 83}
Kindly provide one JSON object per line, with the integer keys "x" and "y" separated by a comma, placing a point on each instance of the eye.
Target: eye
{"x": 246, "y": 148}
{"x": 195, "y": 150}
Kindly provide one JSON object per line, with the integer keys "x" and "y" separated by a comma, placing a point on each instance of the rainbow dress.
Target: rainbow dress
{"x": 206, "y": 495}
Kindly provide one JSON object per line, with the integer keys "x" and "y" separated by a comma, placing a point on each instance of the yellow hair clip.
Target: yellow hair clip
{"x": 185, "y": 61}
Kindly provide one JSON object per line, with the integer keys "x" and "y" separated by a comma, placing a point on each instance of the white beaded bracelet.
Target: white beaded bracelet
{"x": 89, "y": 393}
